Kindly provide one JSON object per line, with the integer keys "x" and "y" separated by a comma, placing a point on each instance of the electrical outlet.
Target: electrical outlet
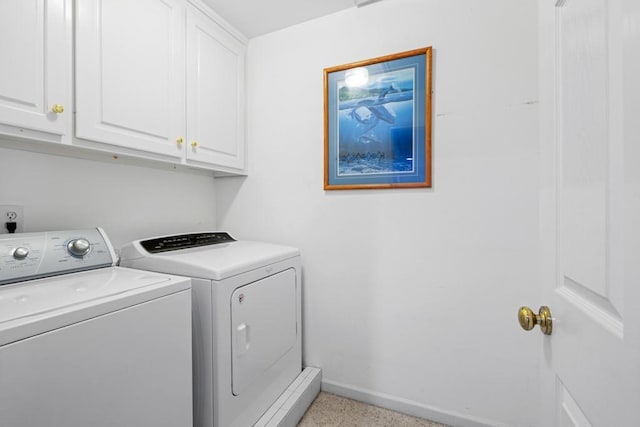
{"x": 11, "y": 213}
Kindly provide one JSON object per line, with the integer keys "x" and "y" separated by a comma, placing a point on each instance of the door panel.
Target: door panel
{"x": 215, "y": 96}
{"x": 22, "y": 46}
{"x": 587, "y": 113}
{"x": 569, "y": 412}
{"x": 130, "y": 75}
{"x": 35, "y": 45}
{"x": 590, "y": 369}
{"x": 125, "y": 70}
{"x": 264, "y": 327}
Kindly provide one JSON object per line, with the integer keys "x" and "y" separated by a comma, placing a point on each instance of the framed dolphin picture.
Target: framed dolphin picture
{"x": 377, "y": 122}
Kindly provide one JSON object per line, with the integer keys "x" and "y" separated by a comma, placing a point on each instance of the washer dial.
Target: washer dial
{"x": 20, "y": 253}
{"x": 79, "y": 247}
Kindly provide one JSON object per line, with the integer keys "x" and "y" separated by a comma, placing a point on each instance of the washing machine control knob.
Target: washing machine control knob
{"x": 79, "y": 247}
{"x": 20, "y": 253}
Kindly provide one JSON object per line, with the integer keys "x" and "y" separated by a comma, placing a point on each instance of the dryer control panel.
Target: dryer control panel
{"x": 185, "y": 241}
{"x": 25, "y": 256}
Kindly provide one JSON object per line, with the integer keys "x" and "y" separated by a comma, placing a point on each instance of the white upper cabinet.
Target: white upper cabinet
{"x": 35, "y": 76}
{"x": 130, "y": 74}
{"x": 154, "y": 79}
{"x": 159, "y": 79}
{"x": 215, "y": 94}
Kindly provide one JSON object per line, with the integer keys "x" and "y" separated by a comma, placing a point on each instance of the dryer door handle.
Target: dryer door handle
{"x": 243, "y": 338}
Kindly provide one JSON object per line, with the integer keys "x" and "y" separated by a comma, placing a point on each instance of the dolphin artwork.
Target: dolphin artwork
{"x": 369, "y": 111}
{"x": 365, "y": 139}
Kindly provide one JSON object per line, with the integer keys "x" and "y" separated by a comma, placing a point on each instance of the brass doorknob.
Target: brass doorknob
{"x": 179, "y": 140}
{"x": 57, "y": 108}
{"x": 528, "y": 319}
{"x": 194, "y": 144}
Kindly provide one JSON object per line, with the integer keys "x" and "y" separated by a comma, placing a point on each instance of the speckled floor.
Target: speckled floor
{"x": 329, "y": 410}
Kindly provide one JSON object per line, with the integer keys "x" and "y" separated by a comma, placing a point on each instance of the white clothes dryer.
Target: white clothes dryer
{"x": 86, "y": 343}
{"x": 246, "y": 320}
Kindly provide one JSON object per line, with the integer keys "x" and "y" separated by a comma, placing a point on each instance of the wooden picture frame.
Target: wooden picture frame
{"x": 377, "y": 122}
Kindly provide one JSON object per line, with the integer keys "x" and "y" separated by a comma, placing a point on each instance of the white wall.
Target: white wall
{"x": 128, "y": 201}
{"x": 410, "y": 296}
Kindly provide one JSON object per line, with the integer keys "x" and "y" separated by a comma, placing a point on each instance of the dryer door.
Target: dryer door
{"x": 263, "y": 322}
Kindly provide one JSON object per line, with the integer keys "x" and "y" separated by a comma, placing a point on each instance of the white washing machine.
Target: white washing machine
{"x": 247, "y": 326}
{"x": 86, "y": 343}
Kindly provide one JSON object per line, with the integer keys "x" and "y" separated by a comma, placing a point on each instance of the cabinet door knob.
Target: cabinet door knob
{"x": 57, "y": 108}
{"x": 194, "y": 144}
{"x": 179, "y": 140}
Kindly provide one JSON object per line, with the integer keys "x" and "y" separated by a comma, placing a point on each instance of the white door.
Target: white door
{"x": 35, "y": 75}
{"x": 264, "y": 329}
{"x": 215, "y": 94}
{"x": 590, "y": 157}
{"x": 130, "y": 74}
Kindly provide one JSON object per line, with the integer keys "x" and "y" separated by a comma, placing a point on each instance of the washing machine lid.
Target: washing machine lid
{"x": 216, "y": 260}
{"x": 36, "y": 306}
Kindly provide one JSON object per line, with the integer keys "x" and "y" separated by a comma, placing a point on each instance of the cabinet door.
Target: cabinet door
{"x": 130, "y": 74}
{"x": 215, "y": 94}
{"x": 35, "y": 47}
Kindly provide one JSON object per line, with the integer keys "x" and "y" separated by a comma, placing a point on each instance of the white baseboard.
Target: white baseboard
{"x": 407, "y": 406}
